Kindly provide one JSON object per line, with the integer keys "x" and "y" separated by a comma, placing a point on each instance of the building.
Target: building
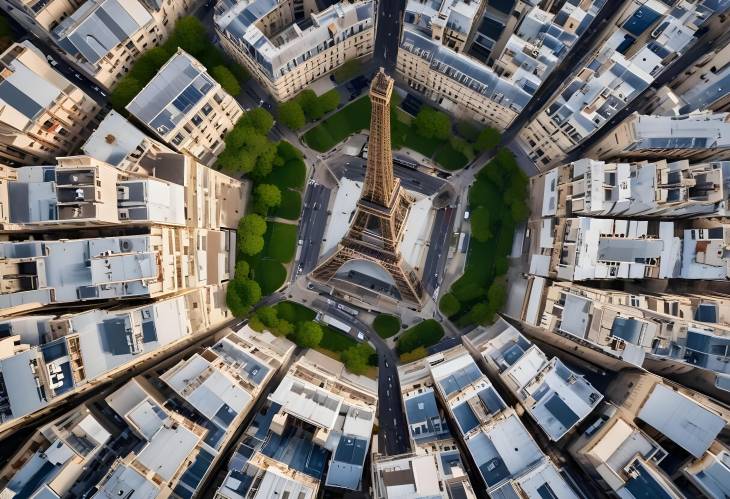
{"x": 319, "y": 412}
{"x": 674, "y": 189}
{"x": 495, "y": 23}
{"x": 81, "y": 192}
{"x": 507, "y": 458}
{"x": 453, "y": 24}
{"x": 418, "y": 476}
{"x": 650, "y": 434}
{"x": 213, "y": 200}
{"x": 42, "y": 114}
{"x": 40, "y": 17}
{"x": 186, "y": 108}
{"x": 697, "y": 136}
{"x": 633, "y": 50}
{"x": 49, "y": 463}
{"x": 101, "y": 38}
{"x": 286, "y": 45}
{"x": 184, "y": 424}
{"x": 556, "y": 397}
{"x": 583, "y": 248}
{"x": 49, "y": 357}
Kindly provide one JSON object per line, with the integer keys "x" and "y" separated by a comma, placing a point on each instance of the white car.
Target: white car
{"x": 360, "y": 336}
{"x": 51, "y": 61}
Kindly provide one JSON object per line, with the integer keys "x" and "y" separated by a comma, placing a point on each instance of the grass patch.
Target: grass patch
{"x": 335, "y": 340}
{"x": 270, "y": 275}
{"x": 350, "y": 119}
{"x": 294, "y": 312}
{"x": 291, "y": 205}
{"x": 422, "y": 145}
{"x": 290, "y": 175}
{"x": 281, "y": 242}
{"x": 449, "y": 158}
{"x": 386, "y": 325}
{"x": 424, "y": 334}
{"x": 348, "y": 70}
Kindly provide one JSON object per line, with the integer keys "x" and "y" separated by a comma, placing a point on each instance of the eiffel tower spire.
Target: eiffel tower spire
{"x": 379, "y": 220}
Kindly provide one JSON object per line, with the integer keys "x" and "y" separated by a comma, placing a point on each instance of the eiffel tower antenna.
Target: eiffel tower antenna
{"x": 381, "y": 212}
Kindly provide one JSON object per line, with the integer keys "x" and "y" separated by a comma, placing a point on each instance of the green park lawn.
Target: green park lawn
{"x": 281, "y": 242}
{"x": 386, "y": 325}
{"x": 350, "y": 119}
{"x": 270, "y": 275}
{"x": 290, "y": 175}
{"x": 291, "y": 205}
{"x": 423, "y": 334}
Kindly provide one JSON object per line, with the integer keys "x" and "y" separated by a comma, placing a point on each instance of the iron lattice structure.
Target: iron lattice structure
{"x": 382, "y": 209}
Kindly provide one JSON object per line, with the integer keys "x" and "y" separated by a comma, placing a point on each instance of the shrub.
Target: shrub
{"x": 449, "y": 305}
{"x": 386, "y": 325}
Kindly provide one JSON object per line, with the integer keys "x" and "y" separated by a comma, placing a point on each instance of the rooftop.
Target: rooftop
{"x": 100, "y": 25}
{"x": 173, "y": 92}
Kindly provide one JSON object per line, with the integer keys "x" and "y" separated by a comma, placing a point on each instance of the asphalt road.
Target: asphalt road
{"x": 439, "y": 247}
{"x": 312, "y": 227}
{"x": 414, "y": 180}
{"x": 388, "y": 24}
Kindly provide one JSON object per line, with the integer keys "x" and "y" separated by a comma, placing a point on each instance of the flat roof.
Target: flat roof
{"x": 307, "y": 402}
{"x": 113, "y": 140}
{"x": 681, "y": 419}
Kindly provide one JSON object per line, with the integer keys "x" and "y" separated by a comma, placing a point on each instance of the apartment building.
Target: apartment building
{"x": 40, "y": 16}
{"x": 554, "y": 396}
{"x": 42, "y": 114}
{"x": 652, "y": 434}
{"x": 667, "y": 189}
{"x": 318, "y": 412}
{"x": 521, "y": 43}
{"x": 81, "y": 192}
{"x": 634, "y": 49}
{"x": 213, "y": 200}
{"x": 55, "y": 456}
{"x": 49, "y": 357}
{"x": 507, "y": 458}
{"x": 286, "y": 45}
{"x": 186, "y": 108}
{"x": 103, "y": 38}
{"x": 698, "y": 136}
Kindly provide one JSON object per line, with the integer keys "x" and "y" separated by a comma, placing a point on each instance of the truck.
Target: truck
{"x": 348, "y": 310}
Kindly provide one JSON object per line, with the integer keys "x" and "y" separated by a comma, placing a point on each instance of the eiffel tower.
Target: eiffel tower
{"x": 382, "y": 209}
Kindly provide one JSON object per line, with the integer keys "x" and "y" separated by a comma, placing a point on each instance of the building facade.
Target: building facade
{"x": 287, "y": 45}
{"x": 42, "y": 114}
{"x": 184, "y": 107}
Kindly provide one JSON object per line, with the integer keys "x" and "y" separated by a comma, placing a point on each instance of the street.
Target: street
{"x": 388, "y": 20}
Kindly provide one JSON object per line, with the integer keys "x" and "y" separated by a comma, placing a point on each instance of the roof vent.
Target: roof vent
{"x": 110, "y": 139}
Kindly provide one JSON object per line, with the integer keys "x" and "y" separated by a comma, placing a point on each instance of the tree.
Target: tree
{"x": 292, "y": 115}
{"x": 266, "y": 196}
{"x": 190, "y": 35}
{"x": 150, "y": 63}
{"x": 308, "y": 334}
{"x": 414, "y": 355}
{"x": 468, "y": 130}
{"x": 481, "y": 225}
{"x": 252, "y": 225}
{"x": 241, "y": 295}
{"x": 264, "y": 161}
{"x": 480, "y": 313}
{"x": 250, "y": 245}
{"x": 329, "y": 101}
{"x": 124, "y": 92}
{"x": 432, "y": 124}
{"x": 283, "y": 328}
{"x": 487, "y": 139}
{"x": 287, "y": 152}
{"x": 449, "y": 305}
{"x": 223, "y": 75}
{"x": 242, "y": 269}
{"x": 268, "y": 316}
{"x": 497, "y": 295}
{"x": 356, "y": 358}
{"x": 310, "y": 105}
{"x": 260, "y": 120}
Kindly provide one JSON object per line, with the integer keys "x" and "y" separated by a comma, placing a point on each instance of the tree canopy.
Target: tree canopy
{"x": 223, "y": 75}
{"x": 308, "y": 334}
{"x": 292, "y": 115}
{"x": 432, "y": 124}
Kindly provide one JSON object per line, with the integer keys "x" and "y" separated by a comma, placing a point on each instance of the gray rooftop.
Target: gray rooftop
{"x": 100, "y": 25}
{"x": 423, "y": 417}
{"x": 176, "y": 89}
{"x": 113, "y": 140}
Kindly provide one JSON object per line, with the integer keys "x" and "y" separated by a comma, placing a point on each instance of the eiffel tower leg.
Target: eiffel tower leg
{"x": 327, "y": 269}
{"x": 408, "y": 285}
